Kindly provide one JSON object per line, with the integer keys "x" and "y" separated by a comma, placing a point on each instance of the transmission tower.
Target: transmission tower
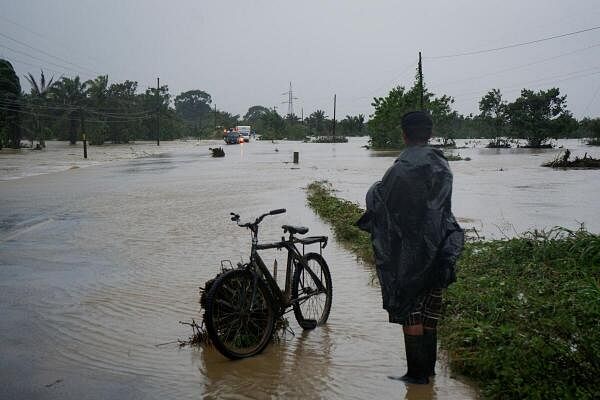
{"x": 290, "y": 100}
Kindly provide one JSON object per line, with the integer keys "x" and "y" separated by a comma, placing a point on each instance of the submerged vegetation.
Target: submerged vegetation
{"x": 456, "y": 157}
{"x": 217, "y": 151}
{"x": 563, "y": 161}
{"x": 523, "y": 318}
{"x": 594, "y": 142}
{"x": 330, "y": 139}
{"x": 534, "y": 117}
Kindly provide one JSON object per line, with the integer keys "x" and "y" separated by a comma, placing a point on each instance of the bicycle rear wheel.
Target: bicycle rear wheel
{"x": 312, "y": 293}
{"x": 239, "y": 314}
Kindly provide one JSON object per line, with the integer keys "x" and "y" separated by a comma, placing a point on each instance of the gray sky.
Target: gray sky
{"x": 245, "y": 53}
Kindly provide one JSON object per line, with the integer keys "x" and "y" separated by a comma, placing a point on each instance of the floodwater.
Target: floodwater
{"x": 98, "y": 264}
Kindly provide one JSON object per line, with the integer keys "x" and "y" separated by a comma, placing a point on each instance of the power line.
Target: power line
{"x": 48, "y": 54}
{"x": 517, "y": 67}
{"x": 42, "y": 36}
{"x": 542, "y": 81}
{"x": 470, "y": 53}
{"x": 591, "y": 100}
{"x": 67, "y": 107}
{"x": 42, "y": 60}
{"x": 16, "y": 60}
{"x": 74, "y": 119}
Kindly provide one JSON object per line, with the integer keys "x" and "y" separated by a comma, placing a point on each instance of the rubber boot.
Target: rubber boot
{"x": 430, "y": 349}
{"x": 416, "y": 359}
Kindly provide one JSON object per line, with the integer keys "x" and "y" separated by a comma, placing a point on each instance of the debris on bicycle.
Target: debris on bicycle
{"x": 199, "y": 335}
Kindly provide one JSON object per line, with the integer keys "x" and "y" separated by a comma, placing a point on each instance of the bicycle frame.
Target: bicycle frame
{"x": 294, "y": 258}
{"x": 284, "y": 298}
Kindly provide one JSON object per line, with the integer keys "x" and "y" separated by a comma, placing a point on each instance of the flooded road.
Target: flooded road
{"x": 98, "y": 265}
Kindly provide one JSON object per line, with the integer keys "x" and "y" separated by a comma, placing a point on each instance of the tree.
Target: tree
{"x": 595, "y": 130}
{"x": 494, "y": 115}
{"x": 537, "y": 116}
{"x": 255, "y": 113}
{"x": 193, "y": 105}
{"x": 97, "y": 98}
{"x": 317, "y": 122}
{"x": 352, "y": 125}
{"x": 384, "y": 125}
{"x": 70, "y": 92}
{"x": 445, "y": 120}
{"x": 273, "y": 126}
{"x": 39, "y": 95}
{"x": 10, "y": 107}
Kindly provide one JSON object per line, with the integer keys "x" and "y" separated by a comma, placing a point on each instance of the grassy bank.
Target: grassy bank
{"x": 523, "y": 319}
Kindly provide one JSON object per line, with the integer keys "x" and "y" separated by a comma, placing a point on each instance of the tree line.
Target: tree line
{"x": 534, "y": 118}
{"x": 119, "y": 112}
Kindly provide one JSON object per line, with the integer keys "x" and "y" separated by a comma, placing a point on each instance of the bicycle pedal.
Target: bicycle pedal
{"x": 309, "y": 324}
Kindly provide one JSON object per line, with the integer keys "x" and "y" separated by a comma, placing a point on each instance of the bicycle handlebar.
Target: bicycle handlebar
{"x": 236, "y": 218}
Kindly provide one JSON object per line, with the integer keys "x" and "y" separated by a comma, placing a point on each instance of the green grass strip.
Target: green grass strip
{"x": 523, "y": 319}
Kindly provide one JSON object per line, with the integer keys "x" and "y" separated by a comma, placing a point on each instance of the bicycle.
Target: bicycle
{"x": 243, "y": 304}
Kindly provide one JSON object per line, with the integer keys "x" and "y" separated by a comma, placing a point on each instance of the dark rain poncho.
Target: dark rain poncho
{"x": 416, "y": 239}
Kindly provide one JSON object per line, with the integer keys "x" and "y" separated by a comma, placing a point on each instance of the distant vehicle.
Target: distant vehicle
{"x": 232, "y": 137}
{"x": 244, "y": 131}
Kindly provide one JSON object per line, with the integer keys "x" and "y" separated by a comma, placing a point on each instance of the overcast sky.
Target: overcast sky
{"x": 245, "y": 53}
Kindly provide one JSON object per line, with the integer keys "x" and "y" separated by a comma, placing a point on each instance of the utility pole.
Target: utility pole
{"x": 334, "y": 101}
{"x": 215, "y": 118}
{"x": 421, "y": 83}
{"x": 82, "y": 123}
{"x": 157, "y": 111}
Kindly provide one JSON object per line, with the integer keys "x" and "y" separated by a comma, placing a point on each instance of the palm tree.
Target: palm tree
{"x": 71, "y": 93}
{"x": 40, "y": 93}
{"x": 317, "y": 120}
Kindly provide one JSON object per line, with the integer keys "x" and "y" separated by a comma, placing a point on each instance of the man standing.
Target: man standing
{"x": 416, "y": 242}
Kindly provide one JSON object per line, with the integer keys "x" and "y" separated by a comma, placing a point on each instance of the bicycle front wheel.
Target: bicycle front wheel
{"x": 312, "y": 292}
{"x": 239, "y": 314}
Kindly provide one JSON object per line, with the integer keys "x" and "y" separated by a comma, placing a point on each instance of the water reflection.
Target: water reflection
{"x": 300, "y": 361}
{"x": 420, "y": 392}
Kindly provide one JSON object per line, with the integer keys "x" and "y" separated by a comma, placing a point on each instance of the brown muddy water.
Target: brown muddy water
{"x": 98, "y": 265}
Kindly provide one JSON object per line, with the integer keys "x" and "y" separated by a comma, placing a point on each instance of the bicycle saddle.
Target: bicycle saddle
{"x": 294, "y": 229}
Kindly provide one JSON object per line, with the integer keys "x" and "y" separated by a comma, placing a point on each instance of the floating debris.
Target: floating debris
{"x": 217, "y": 152}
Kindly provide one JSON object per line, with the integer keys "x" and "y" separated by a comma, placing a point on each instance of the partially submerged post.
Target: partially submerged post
{"x": 334, "y": 101}
{"x": 296, "y": 157}
{"x": 82, "y": 122}
{"x": 158, "y": 111}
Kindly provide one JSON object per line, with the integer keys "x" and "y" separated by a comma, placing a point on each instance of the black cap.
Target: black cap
{"x": 414, "y": 119}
